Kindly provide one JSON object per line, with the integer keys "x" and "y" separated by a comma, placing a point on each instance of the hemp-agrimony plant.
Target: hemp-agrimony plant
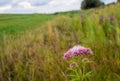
{"x": 78, "y": 68}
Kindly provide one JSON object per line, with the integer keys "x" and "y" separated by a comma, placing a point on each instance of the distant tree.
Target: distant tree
{"x": 118, "y": 0}
{"x": 111, "y": 3}
{"x": 87, "y": 4}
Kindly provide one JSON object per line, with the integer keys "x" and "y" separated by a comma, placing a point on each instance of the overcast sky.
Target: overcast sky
{"x": 41, "y": 6}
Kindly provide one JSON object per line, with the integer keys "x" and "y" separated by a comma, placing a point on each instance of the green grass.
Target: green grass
{"x": 37, "y": 55}
{"x": 11, "y": 24}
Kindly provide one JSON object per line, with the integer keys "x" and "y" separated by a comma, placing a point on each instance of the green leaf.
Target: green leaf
{"x": 87, "y": 74}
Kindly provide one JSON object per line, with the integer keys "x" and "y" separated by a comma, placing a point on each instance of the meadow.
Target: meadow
{"x": 33, "y": 46}
{"x": 11, "y": 24}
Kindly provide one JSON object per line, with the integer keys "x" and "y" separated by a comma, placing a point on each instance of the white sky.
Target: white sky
{"x": 41, "y": 6}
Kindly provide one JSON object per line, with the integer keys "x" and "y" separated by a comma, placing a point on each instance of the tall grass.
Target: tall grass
{"x": 38, "y": 55}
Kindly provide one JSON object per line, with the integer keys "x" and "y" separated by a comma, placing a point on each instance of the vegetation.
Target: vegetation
{"x": 13, "y": 24}
{"x": 87, "y": 4}
{"x": 37, "y": 55}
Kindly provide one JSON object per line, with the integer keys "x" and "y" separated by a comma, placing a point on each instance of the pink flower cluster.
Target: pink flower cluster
{"x": 76, "y": 51}
{"x": 73, "y": 64}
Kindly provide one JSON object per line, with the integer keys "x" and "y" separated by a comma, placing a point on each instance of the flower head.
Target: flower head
{"x": 81, "y": 15}
{"x": 68, "y": 54}
{"x": 76, "y": 51}
{"x": 85, "y": 60}
{"x": 102, "y": 19}
{"x": 111, "y": 17}
{"x": 73, "y": 64}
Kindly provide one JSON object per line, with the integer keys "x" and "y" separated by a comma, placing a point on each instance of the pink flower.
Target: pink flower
{"x": 111, "y": 17}
{"x": 76, "y": 51}
{"x": 68, "y": 54}
{"x": 85, "y": 60}
{"x": 81, "y": 15}
{"x": 73, "y": 64}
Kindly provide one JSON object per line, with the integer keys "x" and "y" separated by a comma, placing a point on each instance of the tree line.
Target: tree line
{"x": 87, "y": 4}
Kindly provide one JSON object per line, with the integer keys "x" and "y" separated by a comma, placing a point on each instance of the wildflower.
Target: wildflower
{"x": 85, "y": 60}
{"x": 102, "y": 19}
{"x": 81, "y": 15}
{"x": 73, "y": 64}
{"x": 111, "y": 17}
{"x": 68, "y": 54}
{"x": 76, "y": 51}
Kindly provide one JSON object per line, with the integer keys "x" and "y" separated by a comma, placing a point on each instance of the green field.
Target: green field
{"x": 32, "y": 46}
{"x": 15, "y": 23}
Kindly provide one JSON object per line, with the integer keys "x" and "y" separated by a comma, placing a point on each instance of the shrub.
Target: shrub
{"x": 87, "y": 4}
